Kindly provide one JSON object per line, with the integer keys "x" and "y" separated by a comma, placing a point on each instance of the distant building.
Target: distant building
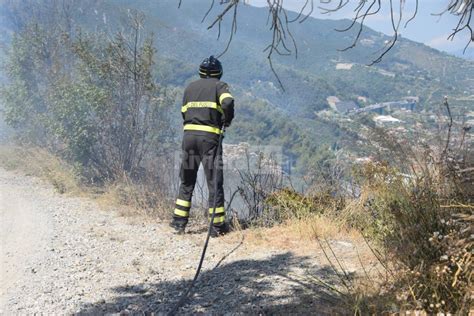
{"x": 332, "y": 100}
{"x": 346, "y": 106}
{"x": 412, "y": 99}
{"x": 401, "y": 129}
{"x": 367, "y": 42}
{"x": 408, "y": 103}
{"x": 470, "y": 120}
{"x": 362, "y": 99}
{"x": 386, "y": 120}
{"x": 363, "y": 160}
{"x": 344, "y": 66}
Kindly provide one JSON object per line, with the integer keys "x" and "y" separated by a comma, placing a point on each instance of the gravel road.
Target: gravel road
{"x": 65, "y": 255}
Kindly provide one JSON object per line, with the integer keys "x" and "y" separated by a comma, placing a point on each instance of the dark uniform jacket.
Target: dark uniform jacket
{"x": 207, "y": 105}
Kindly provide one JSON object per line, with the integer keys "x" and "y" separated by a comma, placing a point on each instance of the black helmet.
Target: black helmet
{"x": 211, "y": 67}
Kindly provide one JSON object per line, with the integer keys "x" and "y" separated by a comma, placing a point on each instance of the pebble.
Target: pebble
{"x": 89, "y": 265}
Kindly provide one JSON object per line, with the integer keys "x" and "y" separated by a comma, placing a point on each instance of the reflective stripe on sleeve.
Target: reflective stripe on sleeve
{"x": 225, "y": 96}
{"x": 202, "y": 128}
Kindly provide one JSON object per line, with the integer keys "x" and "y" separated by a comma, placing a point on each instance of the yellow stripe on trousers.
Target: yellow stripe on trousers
{"x": 183, "y": 203}
{"x": 219, "y": 219}
{"x": 218, "y": 210}
{"x": 181, "y": 213}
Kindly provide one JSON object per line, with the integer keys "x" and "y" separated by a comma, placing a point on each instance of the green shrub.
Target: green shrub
{"x": 425, "y": 232}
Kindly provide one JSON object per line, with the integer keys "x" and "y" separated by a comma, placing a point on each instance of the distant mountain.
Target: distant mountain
{"x": 411, "y": 68}
{"x": 468, "y": 54}
{"x": 321, "y": 70}
{"x": 265, "y": 113}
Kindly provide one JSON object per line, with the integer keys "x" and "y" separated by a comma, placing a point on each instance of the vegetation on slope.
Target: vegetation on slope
{"x": 97, "y": 94}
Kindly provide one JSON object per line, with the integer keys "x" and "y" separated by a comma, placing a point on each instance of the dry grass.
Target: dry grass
{"x": 335, "y": 246}
{"x": 300, "y": 234}
{"x": 41, "y": 163}
{"x": 323, "y": 226}
{"x": 135, "y": 199}
{"x": 421, "y": 230}
{"x": 123, "y": 195}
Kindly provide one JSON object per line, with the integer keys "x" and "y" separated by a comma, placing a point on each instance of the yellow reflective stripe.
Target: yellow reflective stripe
{"x": 181, "y": 213}
{"x": 201, "y": 104}
{"x": 218, "y": 210}
{"x": 202, "y": 128}
{"x": 224, "y": 96}
{"x": 183, "y": 203}
{"x": 219, "y": 219}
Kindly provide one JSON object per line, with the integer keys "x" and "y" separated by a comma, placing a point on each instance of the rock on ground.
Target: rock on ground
{"x": 65, "y": 255}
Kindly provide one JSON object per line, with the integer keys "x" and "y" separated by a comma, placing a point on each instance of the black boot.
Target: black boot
{"x": 220, "y": 230}
{"x": 179, "y": 225}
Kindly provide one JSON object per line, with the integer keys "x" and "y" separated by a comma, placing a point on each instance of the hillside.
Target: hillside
{"x": 313, "y": 76}
{"x": 271, "y": 116}
{"x": 266, "y": 114}
{"x": 352, "y": 186}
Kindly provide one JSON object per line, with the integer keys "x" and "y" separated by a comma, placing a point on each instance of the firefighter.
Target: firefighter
{"x": 207, "y": 106}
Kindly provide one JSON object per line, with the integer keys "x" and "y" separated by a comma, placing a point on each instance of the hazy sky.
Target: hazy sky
{"x": 426, "y": 28}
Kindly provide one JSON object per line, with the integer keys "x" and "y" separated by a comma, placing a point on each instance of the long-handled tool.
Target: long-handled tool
{"x": 185, "y": 296}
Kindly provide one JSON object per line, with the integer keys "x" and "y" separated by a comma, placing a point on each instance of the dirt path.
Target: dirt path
{"x": 25, "y": 231}
{"x": 64, "y": 255}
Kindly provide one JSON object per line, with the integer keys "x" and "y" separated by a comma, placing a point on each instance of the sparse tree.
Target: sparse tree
{"x": 91, "y": 97}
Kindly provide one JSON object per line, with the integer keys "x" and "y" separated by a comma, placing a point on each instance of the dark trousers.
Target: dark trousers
{"x": 200, "y": 148}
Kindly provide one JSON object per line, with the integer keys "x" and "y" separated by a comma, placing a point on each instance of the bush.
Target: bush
{"x": 426, "y": 240}
{"x": 90, "y": 98}
{"x": 420, "y": 225}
